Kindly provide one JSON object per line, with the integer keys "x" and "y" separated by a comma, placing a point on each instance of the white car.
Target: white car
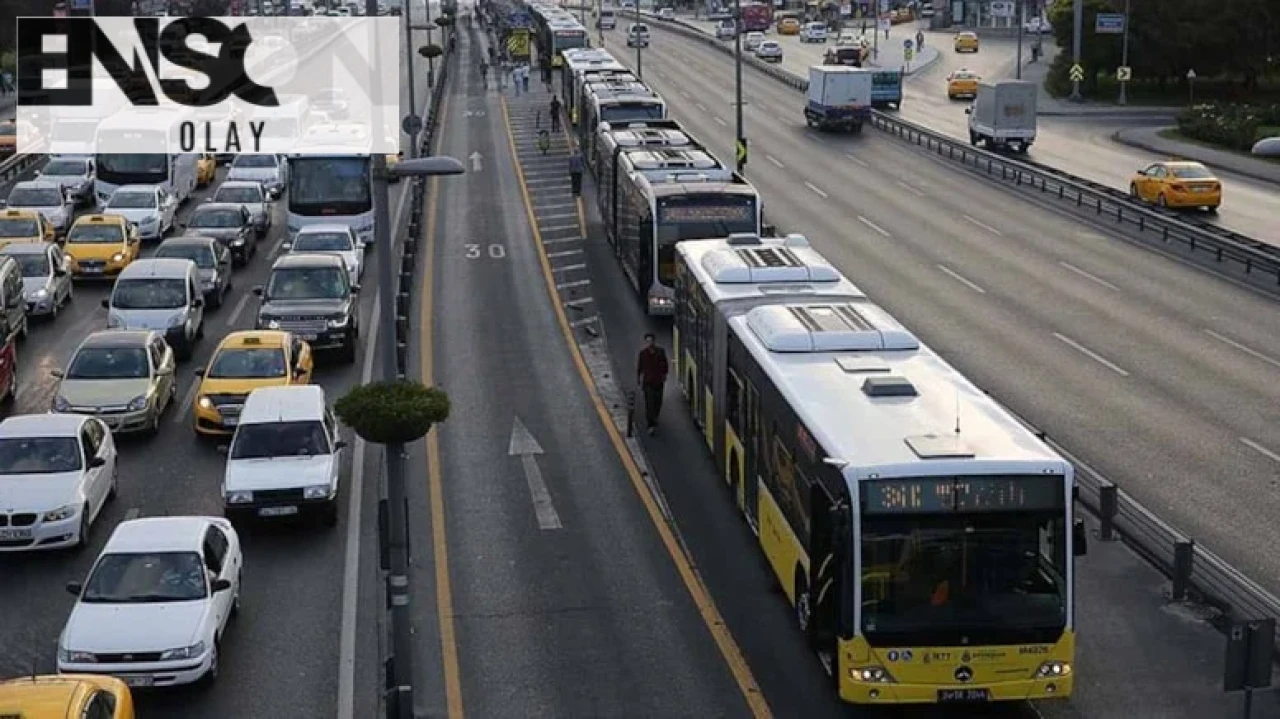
{"x": 751, "y": 41}
{"x": 74, "y": 174}
{"x": 46, "y": 197}
{"x": 268, "y": 170}
{"x": 769, "y": 51}
{"x": 666, "y": 13}
{"x": 156, "y": 602}
{"x": 56, "y": 473}
{"x": 813, "y": 32}
{"x": 149, "y": 207}
{"x": 332, "y": 239}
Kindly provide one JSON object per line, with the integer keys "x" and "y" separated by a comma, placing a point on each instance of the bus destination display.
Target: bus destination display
{"x": 962, "y": 494}
{"x": 676, "y": 213}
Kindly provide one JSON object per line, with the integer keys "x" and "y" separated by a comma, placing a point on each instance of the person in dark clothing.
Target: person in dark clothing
{"x": 575, "y": 172}
{"x": 651, "y": 370}
{"x": 555, "y": 113}
{"x": 546, "y": 73}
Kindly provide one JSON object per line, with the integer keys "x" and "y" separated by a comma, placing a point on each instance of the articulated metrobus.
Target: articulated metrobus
{"x": 656, "y": 197}
{"x": 149, "y": 127}
{"x": 924, "y": 537}
{"x": 616, "y": 102}
{"x": 556, "y": 31}
{"x": 586, "y": 83}
{"x": 614, "y": 138}
{"x": 583, "y": 63}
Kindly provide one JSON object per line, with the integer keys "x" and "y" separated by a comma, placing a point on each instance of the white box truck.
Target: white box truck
{"x": 1003, "y": 115}
{"x": 839, "y": 97}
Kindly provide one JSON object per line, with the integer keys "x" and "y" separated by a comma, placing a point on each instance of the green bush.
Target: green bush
{"x": 388, "y": 412}
{"x": 1267, "y": 131}
{"x": 8, "y": 61}
{"x": 1231, "y": 125}
{"x": 1058, "y": 80}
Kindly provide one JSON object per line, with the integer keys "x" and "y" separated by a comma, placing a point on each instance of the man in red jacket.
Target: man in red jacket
{"x": 651, "y": 369}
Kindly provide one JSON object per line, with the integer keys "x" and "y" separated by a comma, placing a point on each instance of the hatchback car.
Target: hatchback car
{"x": 156, "y": 602}
{"x": 123, "y": 377}
{"x": 770, "y": 51}
{"x": 57, "y": 471}
{"x": 243, "y": 362}
{"x": 751, "y": 41}
{"x": 101, "y": 246}
{"x": 335, "y": 239}
{"x": 75, "y": 175}
{"x": 638, "y": 35}
{"x": 24, "y": 226}
{"x": 726, "y": 30}
{"x": 814, "y": 32}
{"x": 232, "y": 225}
{"x": 967, "y": 42}
{"x": 251, "y": 196}
{"x": 47, "y": 198}
{"x": 46, "y": 283}
{"x": 213, "y": 263}
{"x": 666, "y": 13}
{"x": 788, "y": 26}
{"x": 57, "y": 696}
{"x": 150, "y": 207}
{"x": 962, "y": 83}
{"x": 1177, "y": 184}
{"x": 266, "y": 170}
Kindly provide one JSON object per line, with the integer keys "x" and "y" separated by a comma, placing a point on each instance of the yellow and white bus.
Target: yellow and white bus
{"x": 923, "y": 535}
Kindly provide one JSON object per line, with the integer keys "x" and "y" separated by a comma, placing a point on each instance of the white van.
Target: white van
{"x": 285, "y": 458}
{"x": 162, "y": 295}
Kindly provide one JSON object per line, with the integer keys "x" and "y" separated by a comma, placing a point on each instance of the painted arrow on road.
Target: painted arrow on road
{"x": 524, "y": 446}
{"x": 475, "y": 158}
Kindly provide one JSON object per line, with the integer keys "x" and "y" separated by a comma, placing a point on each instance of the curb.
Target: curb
{"x": 1111, "y": 115}
{"x": 1246, "y": 171}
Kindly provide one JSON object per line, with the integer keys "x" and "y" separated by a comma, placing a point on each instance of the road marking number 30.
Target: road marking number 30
{"x": 496, "y": 252}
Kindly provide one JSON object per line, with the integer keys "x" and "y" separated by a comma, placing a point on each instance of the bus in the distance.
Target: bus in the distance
{"x": 607, "y": 19}
{"x": 923, "y": 536}
{"x": 144, "y": 127}
{"x": 331, "y": 188}
{"x": 756, "y": 17}
{"x": 582, "y": 65}
{"x": 614, "y": 138}
{"x": 655, "y": 197}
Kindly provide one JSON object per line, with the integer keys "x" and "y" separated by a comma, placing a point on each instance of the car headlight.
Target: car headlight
{"x": 61, "y": 513}
{"x": 41, "y": 293}
{"x": 177, "y": 320}
{"x": 205, "y": 403}
{"x": 238, "y": 242}
{"x": 118, "y": 257}
{"x": 242, "y": 497}
{"x": 71, "y": 656}
{"x": 190, "y": 652}
{"x": 138, "y": 403}
{"x": 337, "y": 322}
{"x": 273, "y": 324}
{"x": 319, "y": 491}
{"x": 149, "y": 220}
{"x": 60, "y": 404}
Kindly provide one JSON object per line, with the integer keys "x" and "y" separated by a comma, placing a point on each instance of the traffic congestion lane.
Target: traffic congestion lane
{"x": 566, "y": 603}
{"x": 1039, "y": 308}
{"x": 989, "y": 342}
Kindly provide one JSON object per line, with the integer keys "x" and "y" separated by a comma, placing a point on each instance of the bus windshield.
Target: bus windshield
{"x": 926, "y": 576}
{"x": 135, "y": 169}
{"x": 700, "y": 217}
{"x": 631, "y": 111}
{"x": 568, "y": 39}
{"x": 329, "y": 186}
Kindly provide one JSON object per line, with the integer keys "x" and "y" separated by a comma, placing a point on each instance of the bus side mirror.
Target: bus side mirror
{"x": 1079, "y": 538}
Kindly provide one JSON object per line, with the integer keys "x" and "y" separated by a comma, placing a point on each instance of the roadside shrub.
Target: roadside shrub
{"x": 1231, "y": 125}
{"x": 388, "y": 412}
{"x": 8, "y": 61}
{"x": 1057, "y": 82}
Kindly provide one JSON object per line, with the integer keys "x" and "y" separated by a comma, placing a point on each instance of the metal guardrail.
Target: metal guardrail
{"x": 13, "y": 167}
{"x": 1195, "y": 572}
{"x": 1201, "y": 239}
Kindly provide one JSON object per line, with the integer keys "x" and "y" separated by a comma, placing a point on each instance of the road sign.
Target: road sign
{"x": 518, "y": 44}
{"x": 1077, "y": 73}
{"x": 908, "y": 54}
{"x": 742, "y": 152}
{"x": 906, "y": 44}
{"x": 1109, "y": 24}
{"x": 1124, "y": 74}
{"x": 411, "y": 124}
{"x": 519, "y": 18}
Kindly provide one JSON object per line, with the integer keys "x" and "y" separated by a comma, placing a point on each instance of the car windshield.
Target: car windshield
{"x": 8, "y": 129}
{"x": 1191, "y": 172}
{"x": 238, "y": 194}
{"x": 33, "y": 264}
{"x": 146, "y": 577}
{"x": 65, "y": 168}
{"x": 18, "y": 227}
{"x": 307, "y": 283}
{"x": 244, "y": 363}
{"x": 224, "y": 219}
{"x": 109, "y": 363}
{"x": 39, "y": 455}
{"x": 95, "y": 234}
{"x": 132, "y": 200}
{"x": 35, "y": 197}
{"x": 199, "y": 254}
{"x": 279, "y": 439}
{"x": 255, "y": 161}
{"x": 322, "y": 242}
{"x": 149, "y": 294}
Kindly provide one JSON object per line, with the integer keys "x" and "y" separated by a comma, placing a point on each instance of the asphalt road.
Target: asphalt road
{"x": 572, "y": 608}
{"x": 1079, "y": 145}
{"x": 1160, "y": 375}
{"x": 281, "y": 654}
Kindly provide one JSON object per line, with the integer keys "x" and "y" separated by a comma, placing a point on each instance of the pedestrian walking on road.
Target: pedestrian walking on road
{"x": 515, "y": 79}
{"x": 546, "y": 73}
{"x": 555, "y": 113}
{"x": 651, "y": 371}
{"x": 575, "y": 172}
{"x": 484, "y": 74}
{"x": 524, "y": 76}
{"x": 919, "y": 40}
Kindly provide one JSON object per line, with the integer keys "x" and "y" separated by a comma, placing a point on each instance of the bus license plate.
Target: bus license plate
{"x": 950, "y": 696}
{"x": 140, "y": 681}
{"x": 277, "y": 511}
{"x": 308, "y": 336}
{"x": 11, "y": 534}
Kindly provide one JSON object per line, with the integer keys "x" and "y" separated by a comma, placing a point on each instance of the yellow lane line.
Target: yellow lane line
{"x": 697, "y": 590}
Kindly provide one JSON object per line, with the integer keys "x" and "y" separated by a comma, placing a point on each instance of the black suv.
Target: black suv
{"x": 311, "y": 296}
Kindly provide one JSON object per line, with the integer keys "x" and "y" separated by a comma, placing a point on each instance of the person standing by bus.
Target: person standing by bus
{"x": 651, "y": 370}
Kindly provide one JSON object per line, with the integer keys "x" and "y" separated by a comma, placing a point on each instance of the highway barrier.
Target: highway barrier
{"x": 1201, "y": 240}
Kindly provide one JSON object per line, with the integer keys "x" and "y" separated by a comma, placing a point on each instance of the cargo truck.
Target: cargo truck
{"x": 1003, "y": 115}
{"x": 886, "y": 89}
{"x": 839, "y": 97}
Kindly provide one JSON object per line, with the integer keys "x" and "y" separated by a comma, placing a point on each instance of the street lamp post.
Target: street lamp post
{"x": 398, "y": 593}
{"x": 1020, "y": 18}
{"x": 639, "y": 66}
{"x": 1124, "y": 57}
{"x": 740, "y": 145}
{"x": 408, "y": 44}
{"x": 1077, "y": 20}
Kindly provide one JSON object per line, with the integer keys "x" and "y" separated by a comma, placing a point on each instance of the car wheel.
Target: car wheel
{"x": 71, "y": 292}
{"x": 1133, "y": 190}
{"x": 11, "y": 392}
{"x": 53, "y": 312}
{"x": 82, "y": 539}
{"x": 235, "y": 601}
{"x": 154, "y": 428}
{"x": 114, "y": 490}
{"x": 211, "y": 677}
{"x": 1161, "y": 201}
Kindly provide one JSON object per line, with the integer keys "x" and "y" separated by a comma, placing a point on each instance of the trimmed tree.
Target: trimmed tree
{"x": 390, "y": 412}
{"x": 430, "y": 51}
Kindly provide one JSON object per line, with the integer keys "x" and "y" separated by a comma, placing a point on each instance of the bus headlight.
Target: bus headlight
{"x": 1053, "y": 669}
{"x": 870, "y": 674}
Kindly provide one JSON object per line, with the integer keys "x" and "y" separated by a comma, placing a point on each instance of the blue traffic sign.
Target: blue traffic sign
{"x": 1109, "y": 24}
{"x": 519, "y": 18}
{"x": 906, "y": 44}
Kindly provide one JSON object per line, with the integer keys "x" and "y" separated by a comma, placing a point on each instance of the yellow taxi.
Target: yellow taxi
{"x": 206, "y": 169}
{"x": 243, "y": 362}
{"x": 962, "y": 83}
{"x": 788, "y": 26}
{"x": 101, "y": 246}
{"x": 24, "y": 226}
{"x": 59, "y": 696}
{"x": 967, "y": 42}
{"x": 1177, "y": 184}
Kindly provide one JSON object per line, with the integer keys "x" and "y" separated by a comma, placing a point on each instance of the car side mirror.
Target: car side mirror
{"x": 298, "y": 373}
{"x": 197, "y": 303}
{"x": 1079, "y": 538}
{"x": 37, "y": 173}
{"x": 164, "y": 371}
{"x": 220, "y": 585}
{"x": 57, "y": 373}
{"x": 75, "y": 588}
{"x": 258, "y": 291}
{"x": 340, "y": 444}
{"x": 59, "y": 273}
{"x": 968, "y": 111}
{"x": 106, "y": 303}
{"x": 97, "y": 462}
{"x": 355, "y": 289}
{"x": 286, "y": 247}
{"x": 199, "y": 372}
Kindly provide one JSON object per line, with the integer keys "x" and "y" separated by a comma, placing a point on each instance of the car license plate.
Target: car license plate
{"x": 308, "y": 336}
{"x": 11, "y": 534}
{"x": 277, "y": 511}
{"x": 140, "y": 681}
{"x": 949, "y": 696}
{"x": 230, "y": 421}
{"x": 93, "y": 270}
